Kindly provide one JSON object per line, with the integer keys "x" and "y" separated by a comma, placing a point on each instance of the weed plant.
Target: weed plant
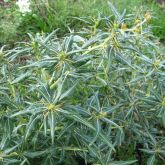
{"x": 135, "y": 6}
{"x": 84, "y": 96}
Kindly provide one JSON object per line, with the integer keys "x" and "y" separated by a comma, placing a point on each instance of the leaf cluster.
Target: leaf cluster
{"x": 85, "y": 95}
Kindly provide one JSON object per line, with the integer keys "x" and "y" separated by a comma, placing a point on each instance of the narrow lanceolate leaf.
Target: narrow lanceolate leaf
{"x": 123, "y": 162}
{"x": 112, "y": 123}
{"x": 73, "y": 149}
{"x": 9, "y": 150}
{"x": 151, "y": 160}
{"x": 59, "y": 89}
{"x": 68, "y": 43}
{"x": 21, "y": 77}
{"x": 84, "y": 122}
{"x": 84, "y": 58}
{"x": 45, "y": 124}
{"x": 31, "y": 111}
{"x": 114, "y": 10}
{"x": 34, "y": 154}
{"x": 51, "y": 120}
{"x": 98, "y": 129}
{"x": 42, "y": 63}
{"x": 31, "y": 126}
{"x": 102, "y": 81}
{"x": 65, "y": 94}
{"x": 51, "y": 35}
{"x": 107, "y": 141}
{"x": 12, "y": 56}
{"x": 44, "y": 91}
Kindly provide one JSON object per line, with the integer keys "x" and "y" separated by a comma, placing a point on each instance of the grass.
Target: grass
{"x": 60, "y": 15}
{"x": 9, "y": 23}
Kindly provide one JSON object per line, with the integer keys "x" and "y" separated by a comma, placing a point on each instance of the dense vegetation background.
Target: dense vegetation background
{"x": 60, "y": 15}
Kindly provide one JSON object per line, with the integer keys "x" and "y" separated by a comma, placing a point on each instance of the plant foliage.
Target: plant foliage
{"x": 85, "y": 95}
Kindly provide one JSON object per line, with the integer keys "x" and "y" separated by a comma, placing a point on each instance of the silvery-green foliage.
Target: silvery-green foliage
{"x": 83, "y": 95}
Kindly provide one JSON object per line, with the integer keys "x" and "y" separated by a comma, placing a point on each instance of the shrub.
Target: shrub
{"x": 158, "y": 22}
{"x": 84, "y": 96}
{"x": 9, "y": 22}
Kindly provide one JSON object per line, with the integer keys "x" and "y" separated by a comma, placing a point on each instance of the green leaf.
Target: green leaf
{"x": 52, "y": 122}
{"x": 151, "y": 160}
{"x": 65, "y": 94}
{"x": 123, "y": 162}
{"x": 81, "y": 120}
{"x": 34, "y": 154}
{"x": 98, "y": 129}
{"x": 31, "y": 126}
